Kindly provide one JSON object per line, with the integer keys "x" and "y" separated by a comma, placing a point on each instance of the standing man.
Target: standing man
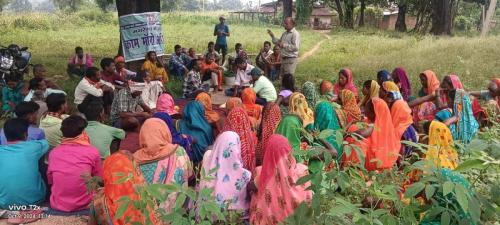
{"x": 289, "y": 44}
{"x": 221, "y": 30}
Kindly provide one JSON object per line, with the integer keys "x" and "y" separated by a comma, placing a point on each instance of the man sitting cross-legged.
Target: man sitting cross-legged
{"x": 126, "y": 104}
{"x": 71, "y": 165}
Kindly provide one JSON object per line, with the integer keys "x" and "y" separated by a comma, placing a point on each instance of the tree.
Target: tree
{"x": 401, "y": 20}
{"x": 362, "y": 8}
{"x": 228, "y": 5}
{"x": 304, "y": 10}
{"x": 345, "y": 11}
{"x": 487, "y": 20}
{"x": 287, "y": 8}
{"x": 20, "y": 6}
{"x": 72, "y": 5}
{"x": 191, "y": 5}
{"x": 3, "y": 3}
{"x": 442, "y": 16}
{"x": 103, "y": 4}
{"x": 170, "y": 5}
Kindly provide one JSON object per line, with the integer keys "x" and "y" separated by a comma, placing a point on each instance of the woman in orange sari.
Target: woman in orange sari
{"x": 424, "y": 107}
{"x": 238, "y": 121}
{"x": 211, "y": 115}
{"x": 106, "y": 203}
{"x": 254, "y": 111}
{"x": 401, "y": 115}
{"x": 349, "y": 106}
{"x": 381, "y": 145}
{"x": 277, "y": 195}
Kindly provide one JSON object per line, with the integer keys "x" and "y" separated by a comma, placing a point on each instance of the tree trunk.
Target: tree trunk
{"x": 401, "y": 20}
{"x": 126, "y": 7}
{"x": 362, "y": 14}
{"x": 442, "y": 17}
{"x": 287, "y": 8}
{"x": 349, "y": 14}
{"x": 340, "y": 12}
{"x": 487, "y": 19}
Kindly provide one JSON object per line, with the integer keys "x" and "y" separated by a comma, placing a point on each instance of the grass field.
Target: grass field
{"x": 52, "y": 38}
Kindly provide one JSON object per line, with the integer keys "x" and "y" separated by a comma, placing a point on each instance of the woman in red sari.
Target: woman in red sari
{"x": 238, "y": 121}
{"x": 381, "y": 146}
{"x": 271, "y": 118}
{"x": 277, "y": 195}
{"x": 345, "y": 81}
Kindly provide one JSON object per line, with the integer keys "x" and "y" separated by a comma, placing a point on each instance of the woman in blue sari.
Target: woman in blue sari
{"x": 177, "y": 138}
{"x": 326, "y": 118}
{"x": 196, "y": 125}
{"x": 459, "y": 116}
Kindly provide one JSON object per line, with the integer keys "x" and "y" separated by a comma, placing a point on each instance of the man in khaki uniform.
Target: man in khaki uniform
{"x": 289, "y": 44}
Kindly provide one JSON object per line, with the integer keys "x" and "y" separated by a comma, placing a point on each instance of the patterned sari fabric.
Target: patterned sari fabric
{"x": 309, "y": 90}
{"x": 230, "y": 179}
{"x": 350, "y": 107}
{"x": 177, "y": 138}
{"x": 382, "y": 148}
{"x": 162, "y": 162}
{"x": 441, "y": 147}
{"x": 270, "y": 121}
{"x": 348, "y": 86}
{"x": 105, "y": 204}
{"x": 326, "y": 118}
{"x": 278, "y": 195}
{"x": 467, "y": 125}
{"x": 232, "y": 103}
{"x": 384, "y": 76}
{"x": 291, "y": 127}
{"x": 205, "y": 99}
{"x": 254, "y": 111}
{"x": 298, "y": 106}
{"x": 196, "y": 125}
{"x": 238, "y": 121}
{"x": 426, "y": 110}
{"x": 400, "y": 75}
{"x": 478, "y": 112}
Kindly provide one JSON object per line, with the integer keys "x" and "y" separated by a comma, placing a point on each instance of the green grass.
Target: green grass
{"x": 52, "y": 38}
{"x": 474, "y": 59}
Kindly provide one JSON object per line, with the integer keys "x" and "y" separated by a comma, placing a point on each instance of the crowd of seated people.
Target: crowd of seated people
{"x": 127, "y": 122}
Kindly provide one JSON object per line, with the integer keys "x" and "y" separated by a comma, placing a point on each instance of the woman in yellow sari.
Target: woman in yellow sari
{"x": 441, "y": 147}
{"x": 298, "y": 106}
{"x": 370, "y": 90}
{"x": 154, "y": 67}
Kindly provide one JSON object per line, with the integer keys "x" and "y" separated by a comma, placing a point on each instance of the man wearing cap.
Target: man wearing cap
{"x": 263, "y": 87}
{"x": 289, "y": 44}
{"x": 121, "y": 70}
{"x": 221, "y": 30}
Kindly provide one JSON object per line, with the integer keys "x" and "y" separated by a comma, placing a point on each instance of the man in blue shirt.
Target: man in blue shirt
{"x": 21, "y": 183}
{"x": 221, "y": 30}
{"x": 27, "y": 111}
{"x": 177, "y": 64}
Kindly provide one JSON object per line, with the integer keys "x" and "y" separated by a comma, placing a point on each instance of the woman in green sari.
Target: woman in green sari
{"x": 326, "y": 118}
{"x": 291, "y": 128}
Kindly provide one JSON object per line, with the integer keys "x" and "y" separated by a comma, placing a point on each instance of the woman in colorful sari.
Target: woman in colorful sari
{"x": 239, "y": 122}
{"x": 441, "y": 149}
{"x": 278, "y": 196}
{"x": 309, "y": 91}
{"x": 166, "y": 104}
{"x": 459, "y": 116}
{"x": 232, "y": 103}
{"x": 326, "y": 118}
{"x": 229, "y": 180}
{"x": 370, "y": 90}
{"x": 162, "y": 162}
{"x": 271, "y": 118}
{"x": 401, "y": 79}
{"x": 383, "y": 76}
{"x": 401, "y": 116}
{"x": 290, "y": 127}
{"x": 423, "y": 107}
{"x": 196, "y": 125}
{"x": 205, "y": 99}
{"x": 107, "y": 201}
{"x": 326, "y": 90}
{"x": 298, "y": 106}
{"x": 349, "y": 106}
{"x": 345, "y": 82}
{"x": 381, "y": 146}
{"x": 452, "y": 82}
{"x": 177, "y": 138}
{"x": 154, "y": 67}
{"x": 254, "y": 111}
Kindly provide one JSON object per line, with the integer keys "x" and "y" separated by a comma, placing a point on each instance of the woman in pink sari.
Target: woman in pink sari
{"x": 166, "y": 104}
{"x": 229, "y": 180}
{"x": 277, "y": 195}
{"x": 345, "y": 81}
{"x": 424, "y": 107}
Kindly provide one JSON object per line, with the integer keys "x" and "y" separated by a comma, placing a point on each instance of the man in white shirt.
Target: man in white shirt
{"x": 289, "y": 44}
{"x": 263, "y": 87}
{"x": 92, "y": 87}
{"x": 243, "y": 77}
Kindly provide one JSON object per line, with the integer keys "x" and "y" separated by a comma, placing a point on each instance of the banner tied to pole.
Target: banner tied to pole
{"x": 141, "y": 33}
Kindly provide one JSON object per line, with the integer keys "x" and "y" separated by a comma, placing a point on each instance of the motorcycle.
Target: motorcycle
{"x": 13, "y": 60}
